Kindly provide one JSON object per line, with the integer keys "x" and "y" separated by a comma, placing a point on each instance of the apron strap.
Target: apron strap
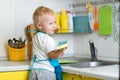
{"x": 35, "y": 60}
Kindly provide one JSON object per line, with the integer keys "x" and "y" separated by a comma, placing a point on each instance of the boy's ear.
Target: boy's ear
{"x": 39, "y": 26}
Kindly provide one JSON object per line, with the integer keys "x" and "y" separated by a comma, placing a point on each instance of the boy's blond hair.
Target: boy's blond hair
{"x": 39, "y": 12}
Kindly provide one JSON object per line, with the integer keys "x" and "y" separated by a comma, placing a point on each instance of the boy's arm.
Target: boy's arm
{"x": 62, "y": 45}
{"x": 55, "y": 53}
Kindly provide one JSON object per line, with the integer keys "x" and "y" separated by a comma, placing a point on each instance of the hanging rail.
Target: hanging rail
{"x": 93, "y": 2}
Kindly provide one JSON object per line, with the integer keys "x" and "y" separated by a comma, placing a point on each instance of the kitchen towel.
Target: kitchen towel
{"x": 81, "y": 24}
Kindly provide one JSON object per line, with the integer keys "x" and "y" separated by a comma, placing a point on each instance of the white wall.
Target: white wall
{"x": 15, "y": 15}
{"x": 107, "y": 46}
{"x": 24, "y": 10}
{"x": 7, "y": 24}
{"x": 107, "y": 49}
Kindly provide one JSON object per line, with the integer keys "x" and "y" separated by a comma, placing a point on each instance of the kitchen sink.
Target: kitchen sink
{"x": 89, "y": 64}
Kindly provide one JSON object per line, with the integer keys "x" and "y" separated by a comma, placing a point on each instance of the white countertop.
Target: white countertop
{"x": 110, "y": 72}
{"x": 14, "y": 65}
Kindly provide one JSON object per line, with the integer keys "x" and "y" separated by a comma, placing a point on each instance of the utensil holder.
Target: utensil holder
{"x": 16, "y": 54}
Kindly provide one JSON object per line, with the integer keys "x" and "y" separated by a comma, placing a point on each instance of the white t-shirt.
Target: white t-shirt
{"x": 42, "y": 44}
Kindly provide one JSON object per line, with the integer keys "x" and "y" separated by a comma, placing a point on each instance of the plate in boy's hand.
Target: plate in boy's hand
{"x": 62, "y": 44}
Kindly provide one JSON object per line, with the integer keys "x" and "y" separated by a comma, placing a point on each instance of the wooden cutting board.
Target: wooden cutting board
{"x": 105, "y": 20}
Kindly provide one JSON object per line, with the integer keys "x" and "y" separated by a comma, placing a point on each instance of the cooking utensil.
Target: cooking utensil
{"x": 10, "y": 43}
{"x": 96, "y": 18}
{"x": 89, "y": 6}
{"x": 16, "y": 43}
{"x": 20, "y": 42}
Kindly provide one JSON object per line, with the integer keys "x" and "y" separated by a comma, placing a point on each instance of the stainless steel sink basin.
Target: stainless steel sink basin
{"x": 89, "y": 64}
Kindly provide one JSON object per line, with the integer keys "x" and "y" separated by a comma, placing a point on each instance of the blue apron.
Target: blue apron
{"x": 53, "y": 62}
{"x": 57, "y": 67}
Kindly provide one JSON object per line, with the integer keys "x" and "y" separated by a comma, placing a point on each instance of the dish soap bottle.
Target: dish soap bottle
{"x": 58, "y": 22}
{"x": 70, "y": 21}
{"x": 64, "y": 22}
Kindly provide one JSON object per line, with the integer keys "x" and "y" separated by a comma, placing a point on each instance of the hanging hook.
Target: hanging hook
{"x": 105, "y": 2}
{"x": 95, "y": 3}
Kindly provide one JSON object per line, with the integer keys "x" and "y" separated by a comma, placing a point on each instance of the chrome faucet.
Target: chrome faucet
{"x": 93, "y": 51}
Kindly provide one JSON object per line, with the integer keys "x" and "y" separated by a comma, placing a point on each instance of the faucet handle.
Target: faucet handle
{"x": 90, "y": 41}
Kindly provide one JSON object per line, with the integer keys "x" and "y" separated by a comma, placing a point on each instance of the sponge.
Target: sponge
{"x": 62, "y": 44}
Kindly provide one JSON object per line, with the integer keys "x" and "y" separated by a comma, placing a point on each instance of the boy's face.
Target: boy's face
{"x": 47, "y": 24}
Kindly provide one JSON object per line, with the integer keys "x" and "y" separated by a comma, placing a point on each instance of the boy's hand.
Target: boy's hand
{"x": 62, "y": 51}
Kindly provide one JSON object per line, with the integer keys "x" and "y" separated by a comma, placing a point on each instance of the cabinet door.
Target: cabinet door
{"x": 89, "y": 78}
{"x": 67, "y": 76}
{"x": 77, "y": 77}
{"x": 16, "y": 75}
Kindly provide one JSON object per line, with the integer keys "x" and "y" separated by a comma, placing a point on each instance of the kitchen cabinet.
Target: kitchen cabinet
{"x": 89, "y": 78}
{"x": 14, "y": 75}
{"x": 69, "y": 76}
